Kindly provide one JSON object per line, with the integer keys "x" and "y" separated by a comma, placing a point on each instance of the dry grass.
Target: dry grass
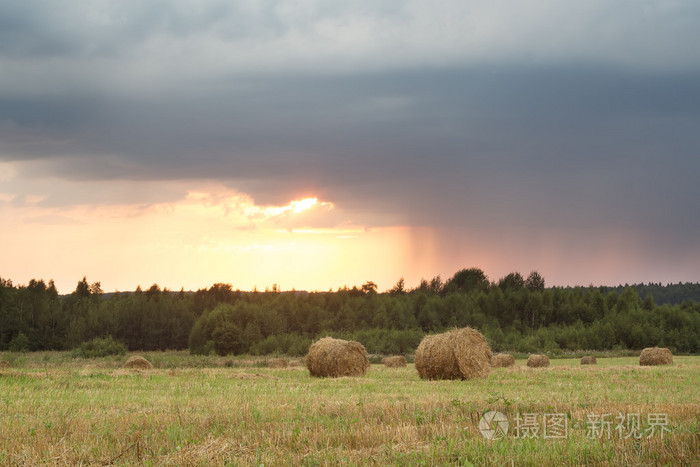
{"x": 277, "y": 363}
{"x": 537, "y": 361}
{"x": 4, "y": 364}
{"x": 396, "y": 361}
{"x": 138, "y": 363}
{"x": 329, "y": 357}
{"x": 187, "y": 416}
{"x": 652, "y": 356}
{"x": 502, "y": 360}
{"x": 458, "y": 354}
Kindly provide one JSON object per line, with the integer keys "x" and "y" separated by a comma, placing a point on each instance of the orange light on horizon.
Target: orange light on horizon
{"x": 209, "y": 234}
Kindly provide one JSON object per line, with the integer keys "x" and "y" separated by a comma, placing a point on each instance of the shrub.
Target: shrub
{"x": 100, "y": 347}
{"x": 286, "y": 344}
{"x": 19, "y": 343}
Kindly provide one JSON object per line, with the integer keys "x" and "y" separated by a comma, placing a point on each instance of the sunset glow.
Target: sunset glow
{"x": 210, "y": 234}
{"x": 185, "y": 146}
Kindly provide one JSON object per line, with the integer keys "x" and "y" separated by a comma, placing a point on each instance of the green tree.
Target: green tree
{"x": 369, "y": 288}
{"x": 436, "y": 284}
{"x": 82, "y": 290}
{"x": 513, "y": 281}
{"x": 535, "y": 282}
{"x": 251, "y": 335}
{"x": 467, "y": 280}
{"x": 19, "y": 343}
{"x": 399, "y": 288}
{"x": 227, "y": 338}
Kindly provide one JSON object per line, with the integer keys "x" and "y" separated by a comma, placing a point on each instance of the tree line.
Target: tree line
{"x": 515, "y": 313}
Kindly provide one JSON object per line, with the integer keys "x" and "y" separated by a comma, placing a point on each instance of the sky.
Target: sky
{"x": 315, "y": 144}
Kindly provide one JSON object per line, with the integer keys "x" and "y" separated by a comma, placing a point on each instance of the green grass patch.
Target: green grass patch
{"x": 199, "y": 411}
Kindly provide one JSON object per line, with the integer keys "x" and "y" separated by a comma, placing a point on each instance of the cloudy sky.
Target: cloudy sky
{"x": 313, "y": 144}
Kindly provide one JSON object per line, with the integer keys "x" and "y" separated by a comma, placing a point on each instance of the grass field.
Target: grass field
{"x": 215, "y": 411}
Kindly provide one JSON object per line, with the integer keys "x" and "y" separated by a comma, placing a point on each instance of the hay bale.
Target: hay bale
{"x": 502, "y": 360}
{"x": 537, "y": 361}
{"x": 138, "y": 363}
{"x": 589, "y": 360}
{"x": 457, "y": 354}
{"x": 337, "y": 357}
{"x": 655, "y": 356}
{"x": 397, "y": 361}
{"x": 277, "y": 363}
{"x": 4, "y": 364}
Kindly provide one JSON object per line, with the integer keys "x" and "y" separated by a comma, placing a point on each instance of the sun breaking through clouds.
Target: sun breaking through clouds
{"x": 319, "y": 144}
{"x": 208, "y": 233}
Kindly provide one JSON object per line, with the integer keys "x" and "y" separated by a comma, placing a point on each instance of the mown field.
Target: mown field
{"x": 55, "y": 410}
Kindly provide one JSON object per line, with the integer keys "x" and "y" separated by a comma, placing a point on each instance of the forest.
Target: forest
{"x": 515, "y": 313}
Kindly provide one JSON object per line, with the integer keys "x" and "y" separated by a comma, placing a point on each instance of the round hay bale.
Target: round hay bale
{"x": 139, "y": 363}
{"x": 457, "y": 354}
{"x": 537, "y": 361}
{"x": 589, "y": 360}
{"x": 502, "y": 360}
{"x": 4, "y": 364}
{"x": 337, "y": 357}
{"x": 277, "y": 363}
{"x": 397, "y": 361}
{"x": 655, "y": 356}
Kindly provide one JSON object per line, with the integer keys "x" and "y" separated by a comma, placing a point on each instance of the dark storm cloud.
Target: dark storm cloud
{"x": 486, "y": 137}
{"x": 48, "y": 29}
